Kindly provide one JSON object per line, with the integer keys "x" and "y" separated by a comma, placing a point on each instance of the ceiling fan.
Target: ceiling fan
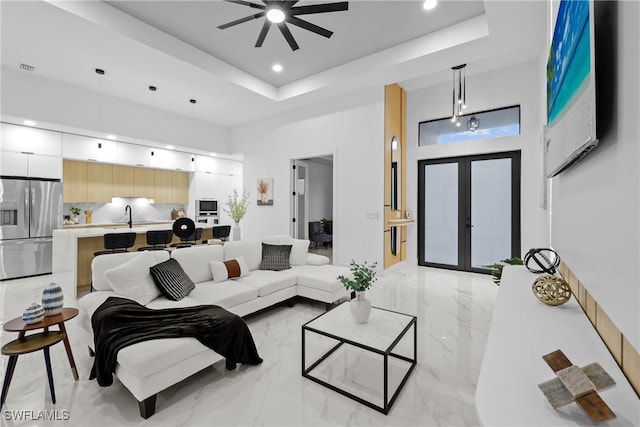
{"x": 283, "y": 12}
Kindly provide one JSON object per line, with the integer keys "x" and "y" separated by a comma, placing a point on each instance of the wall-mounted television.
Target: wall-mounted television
{"x": 571, "y": 87}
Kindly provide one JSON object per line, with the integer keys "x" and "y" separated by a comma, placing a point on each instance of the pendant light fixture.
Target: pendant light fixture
{"x": 458, "y": 93}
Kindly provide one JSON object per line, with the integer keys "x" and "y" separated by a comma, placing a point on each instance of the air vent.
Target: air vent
{"x": 26, "y": 67}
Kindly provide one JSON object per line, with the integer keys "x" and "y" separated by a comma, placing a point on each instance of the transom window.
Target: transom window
{"x": 472, "y": 126}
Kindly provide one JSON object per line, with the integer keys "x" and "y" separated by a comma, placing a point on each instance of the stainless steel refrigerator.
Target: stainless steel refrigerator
{"x": 30, "y": 210}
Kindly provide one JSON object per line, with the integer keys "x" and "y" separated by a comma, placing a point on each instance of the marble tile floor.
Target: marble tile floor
{"x": 454, "y": 312}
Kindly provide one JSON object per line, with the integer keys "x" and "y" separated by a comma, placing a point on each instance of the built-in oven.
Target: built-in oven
{"x": 206, "y": 207}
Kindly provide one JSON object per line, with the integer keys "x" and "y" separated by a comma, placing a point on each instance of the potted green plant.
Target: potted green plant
{"x": 363, "y": 277}
{"x": 236, "y": 208}
{"x": 75, "y": 211}
{"x": 496, "y": 269}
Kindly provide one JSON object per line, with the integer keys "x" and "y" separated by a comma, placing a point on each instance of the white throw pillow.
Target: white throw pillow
{"x": 230, "y": 269}
{"x": 315, "y": 259}
{"x": 133, "y": 279}
{"x": 299, "y": 249}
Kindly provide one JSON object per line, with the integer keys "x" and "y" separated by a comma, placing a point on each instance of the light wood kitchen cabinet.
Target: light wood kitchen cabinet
{"x": 74, "y": 181}
{"x": 180, "y": 188}
{"x": 143, "y": 182}
{"x": 92, "y": 182}
{"x": 123, "y": 181}
{"x": 162, "y": 186}
{"x": 99, "y": 182}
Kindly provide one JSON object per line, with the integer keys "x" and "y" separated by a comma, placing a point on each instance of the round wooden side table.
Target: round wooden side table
{"x": 39, "y": 341}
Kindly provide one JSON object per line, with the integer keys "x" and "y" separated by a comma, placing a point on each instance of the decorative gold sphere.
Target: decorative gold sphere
{"x": 551, "y": 290}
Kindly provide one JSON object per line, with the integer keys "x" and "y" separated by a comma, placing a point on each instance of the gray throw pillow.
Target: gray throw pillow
{"x": 275, "y": 257}
{"x": 171, "y": 279}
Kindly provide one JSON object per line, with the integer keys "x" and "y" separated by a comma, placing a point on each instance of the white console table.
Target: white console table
{"x": 523, "y": 330}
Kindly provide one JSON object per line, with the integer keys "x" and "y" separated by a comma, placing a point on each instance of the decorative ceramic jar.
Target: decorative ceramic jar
{"x": 52, "y": 299}
{"x": 33, "y": 314}
{"x": 360, "y": 308}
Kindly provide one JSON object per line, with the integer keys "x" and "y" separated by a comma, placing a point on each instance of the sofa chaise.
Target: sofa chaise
{"x": 148, "y": 367}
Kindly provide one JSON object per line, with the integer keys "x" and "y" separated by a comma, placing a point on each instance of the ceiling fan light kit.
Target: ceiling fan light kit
{"x": 282, "y": 13}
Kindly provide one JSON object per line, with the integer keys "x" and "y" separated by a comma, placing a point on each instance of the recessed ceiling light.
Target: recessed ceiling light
{"x": 169, "y": 147}
{"x": 429, "y": 4}
{"x": 112, "y": 137}
{"x": 275, "y": 15}
{"x": 277, "y": 68}
{"x": 29, "y": 123}
{"x": 214, "y": 154}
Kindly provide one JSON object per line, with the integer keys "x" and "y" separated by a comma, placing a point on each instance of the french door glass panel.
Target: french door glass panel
{"x": 301, "y": 217}
{"x": 490, "y": 211}
{"x": 441, "y": 213}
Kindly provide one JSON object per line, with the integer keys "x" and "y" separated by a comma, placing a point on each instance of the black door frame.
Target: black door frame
{"x": 464, "y": 207}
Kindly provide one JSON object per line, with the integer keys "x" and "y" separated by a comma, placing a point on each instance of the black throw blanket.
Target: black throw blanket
{"x": 120, "y": 322}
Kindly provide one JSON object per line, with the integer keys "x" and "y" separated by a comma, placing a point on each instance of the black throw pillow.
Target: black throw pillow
{"x": 275, "y": 257}
{"x": 171, "y": 279}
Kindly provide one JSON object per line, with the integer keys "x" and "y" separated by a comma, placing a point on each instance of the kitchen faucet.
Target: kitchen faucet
{"x": 128, "y": 207}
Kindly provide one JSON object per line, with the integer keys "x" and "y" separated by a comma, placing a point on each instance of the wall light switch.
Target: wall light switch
{"x": 372, "y": 215}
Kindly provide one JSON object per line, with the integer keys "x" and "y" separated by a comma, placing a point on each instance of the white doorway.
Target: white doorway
{"x": 312, "y": 207}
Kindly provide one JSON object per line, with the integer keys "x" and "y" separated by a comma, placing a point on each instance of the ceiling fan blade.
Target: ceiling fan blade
{"x": 309, "y": 26}
{"x": 287, "y": 35}
{"x": 246, "y": 3}
{"x": 263, "y": 33}
{"x": 241, "y": 20}
{"x": 320, "y": 8}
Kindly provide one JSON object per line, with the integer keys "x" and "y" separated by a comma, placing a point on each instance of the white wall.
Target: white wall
{"x": 320, "y": 193}
{"x": 596, "y": 203}
{"x": 353, "y": 133}
{"x": 47, "y": 100}
{"x": 519, "y": 85}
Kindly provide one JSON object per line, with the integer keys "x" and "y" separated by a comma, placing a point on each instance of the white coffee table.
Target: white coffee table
{"x": 346, "y": 369}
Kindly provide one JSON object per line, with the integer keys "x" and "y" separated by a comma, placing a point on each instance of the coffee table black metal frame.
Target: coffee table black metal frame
{"x": 306, "y": 372}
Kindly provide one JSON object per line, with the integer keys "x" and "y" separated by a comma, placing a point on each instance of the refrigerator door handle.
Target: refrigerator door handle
{"x": 33, "y": 201}
{"x": 26, "y": 207}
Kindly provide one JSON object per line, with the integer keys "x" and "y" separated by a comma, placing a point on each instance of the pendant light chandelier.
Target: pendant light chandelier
{"x": 459, "y": 93}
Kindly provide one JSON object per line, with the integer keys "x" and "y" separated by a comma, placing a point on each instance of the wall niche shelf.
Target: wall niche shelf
{"x": 400, "y": 222}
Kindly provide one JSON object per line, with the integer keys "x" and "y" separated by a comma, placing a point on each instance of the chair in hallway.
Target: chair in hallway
{"x": 117, "y": 242}
{"x": 157, "y": 240}
{"x": 317, "y": 234}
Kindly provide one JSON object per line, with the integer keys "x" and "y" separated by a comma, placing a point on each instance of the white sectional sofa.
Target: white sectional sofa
{"x": 148, "y": 367}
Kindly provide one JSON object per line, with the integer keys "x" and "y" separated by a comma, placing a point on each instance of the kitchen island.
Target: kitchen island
{"x": 73, "y": 247}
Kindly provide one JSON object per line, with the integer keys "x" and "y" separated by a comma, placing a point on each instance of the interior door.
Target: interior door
{"x": 469, "y": 211}
{"x": 300, "y": 185}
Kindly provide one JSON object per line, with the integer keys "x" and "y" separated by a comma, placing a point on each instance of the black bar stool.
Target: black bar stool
{"x": 192, "y": 239}
{"x": 221, "y": 232}
{"x": 117, "y": 242}
{"x": 157, "y": 240}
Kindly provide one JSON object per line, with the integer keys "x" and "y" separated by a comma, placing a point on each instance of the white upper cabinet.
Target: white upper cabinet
{"x": 170, "y": 159}
{"x": 86, "y": 148}
{"x": 204, "y": 164}
{"x": 134, "y": 155}
{"x": 218, "y": 166}
{"x": 30, "y": 152}
{"x": 24, "y": 139}
{"x": 44, "y": 166}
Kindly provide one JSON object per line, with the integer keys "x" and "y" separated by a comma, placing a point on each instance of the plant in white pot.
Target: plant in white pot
{"x": 363, "y": 277}
{"x": 236, "y": 208}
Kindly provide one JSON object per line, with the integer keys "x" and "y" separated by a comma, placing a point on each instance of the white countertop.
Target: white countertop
{"x": 92, "y": 230}
{"x": 523, "y": 330}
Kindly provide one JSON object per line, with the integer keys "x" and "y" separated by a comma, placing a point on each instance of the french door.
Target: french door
{"x": 469, "y": 211}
